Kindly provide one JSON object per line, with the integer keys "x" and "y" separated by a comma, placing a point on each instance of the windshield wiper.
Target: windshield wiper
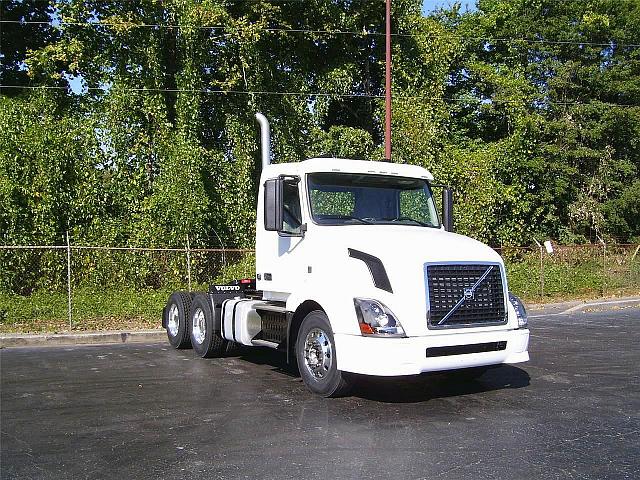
{"x": 406, "y": 219}
{"x": 346, "y": 217}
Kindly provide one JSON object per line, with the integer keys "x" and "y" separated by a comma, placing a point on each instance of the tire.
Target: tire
{"x": 176, "y": 316}
{"x": 233, "y": 348}
{"x": 206, "y": 343}
{"x": 316, "y": 356}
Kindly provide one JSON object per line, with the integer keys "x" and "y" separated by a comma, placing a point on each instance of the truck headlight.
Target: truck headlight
{"x": 376, "y": 319}
{"x": 521, "y": 312}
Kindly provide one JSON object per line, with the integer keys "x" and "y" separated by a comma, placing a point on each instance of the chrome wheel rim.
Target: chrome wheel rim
{"x": 318, "y": 353}
{"x": 198, "y": 328}
{"x": 173, "y": 320}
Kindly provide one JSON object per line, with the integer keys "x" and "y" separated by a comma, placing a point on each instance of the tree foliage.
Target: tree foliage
{"x": 555, "y": 83}
{"x": 528, "y": 108}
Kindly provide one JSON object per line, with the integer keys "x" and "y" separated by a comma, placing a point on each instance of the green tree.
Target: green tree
{"x": 555, "y": 80}
{"x": 18, "y": 37}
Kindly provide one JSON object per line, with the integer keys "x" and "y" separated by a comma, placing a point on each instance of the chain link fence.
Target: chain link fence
{"x": 573, "y": 271}
{"x": 78, "y": 287}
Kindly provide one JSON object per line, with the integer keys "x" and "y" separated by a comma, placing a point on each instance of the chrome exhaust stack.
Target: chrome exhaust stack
{"x": 265, "y": 139}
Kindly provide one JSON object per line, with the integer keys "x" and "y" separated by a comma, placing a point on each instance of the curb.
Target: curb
{"x": 577, "y": 305}
{"x": 94, "y": 338}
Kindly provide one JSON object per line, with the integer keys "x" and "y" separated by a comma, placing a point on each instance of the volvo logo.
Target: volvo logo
{"x": 227, "y": 288}
{"x": 469, "y": 293}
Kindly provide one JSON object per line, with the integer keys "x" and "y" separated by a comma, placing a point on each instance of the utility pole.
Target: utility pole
{"x": 387, "y": 130}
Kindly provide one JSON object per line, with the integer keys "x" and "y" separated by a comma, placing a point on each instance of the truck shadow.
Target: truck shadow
{"x": 265, "y": 356}
{"x": 425, "y": 387}
{"x": 407, "y": 389}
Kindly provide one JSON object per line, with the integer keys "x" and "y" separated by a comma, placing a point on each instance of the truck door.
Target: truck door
{"x": 281, "y": 267}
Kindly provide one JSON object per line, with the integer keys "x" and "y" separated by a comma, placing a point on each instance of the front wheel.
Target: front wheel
{"x": 316, "y": 356}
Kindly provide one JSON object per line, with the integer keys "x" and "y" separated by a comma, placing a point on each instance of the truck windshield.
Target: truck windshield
{"x": 355, "y": 198}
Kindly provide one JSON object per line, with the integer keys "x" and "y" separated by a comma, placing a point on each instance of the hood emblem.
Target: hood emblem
{"x": 468, "y": 294}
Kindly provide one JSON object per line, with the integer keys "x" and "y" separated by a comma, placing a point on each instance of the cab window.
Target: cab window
{"x": 292, "y": 214}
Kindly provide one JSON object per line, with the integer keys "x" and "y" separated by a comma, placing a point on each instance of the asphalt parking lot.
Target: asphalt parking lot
{"x": 150, "y": 412}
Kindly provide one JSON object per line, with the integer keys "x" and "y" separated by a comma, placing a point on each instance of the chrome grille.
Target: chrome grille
{"x": 451, "y": 285}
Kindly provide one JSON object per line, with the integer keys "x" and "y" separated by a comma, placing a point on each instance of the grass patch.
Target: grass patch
{"x": 567, "y": 275}
{"x": 572, "y": 275}
{"x": 92, "y": 309}
{"x": 98, "y": 309}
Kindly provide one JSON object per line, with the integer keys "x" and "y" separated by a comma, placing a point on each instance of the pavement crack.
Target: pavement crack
{"x": 19, "y": 440}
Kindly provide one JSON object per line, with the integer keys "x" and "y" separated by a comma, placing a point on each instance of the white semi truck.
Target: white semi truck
{"x": 356, "y": 273}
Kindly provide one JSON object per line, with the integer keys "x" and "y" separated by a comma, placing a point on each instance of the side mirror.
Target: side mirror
{"x": 273, "y": 206}
{"x": 447, "y": 209}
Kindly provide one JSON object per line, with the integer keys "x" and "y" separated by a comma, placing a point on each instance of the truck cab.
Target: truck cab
{"x": 356, "y": 274}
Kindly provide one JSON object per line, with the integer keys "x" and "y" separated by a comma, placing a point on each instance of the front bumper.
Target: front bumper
{"x": 408, "y": 356}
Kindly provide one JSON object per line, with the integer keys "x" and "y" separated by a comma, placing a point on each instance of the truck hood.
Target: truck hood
{"x": 403, "y": 251}
{"x": 400, "y": 244}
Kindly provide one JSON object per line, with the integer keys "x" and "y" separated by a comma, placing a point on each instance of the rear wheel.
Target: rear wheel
{"x": 176, "y": 318}
{"x": 316, "y": 357}
{"x": 205, "y": 341}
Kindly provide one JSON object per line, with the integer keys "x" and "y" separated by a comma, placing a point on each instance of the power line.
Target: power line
{"x": 363, "y": 33}
{"x": 204, "y": 91}
{"x": 318, "y": 94}
{"x": 551, "y": 42}
{"x": 229, "y": 1}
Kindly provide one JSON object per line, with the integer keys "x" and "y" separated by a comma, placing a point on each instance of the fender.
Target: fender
{"x": 337, "y": 305}
{"x": 335, "y": 291}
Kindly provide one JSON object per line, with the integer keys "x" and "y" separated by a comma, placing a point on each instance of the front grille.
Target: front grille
{"x": 446, "y": 285}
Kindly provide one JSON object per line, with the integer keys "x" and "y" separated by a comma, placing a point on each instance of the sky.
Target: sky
{"x": 429, "y": 6}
